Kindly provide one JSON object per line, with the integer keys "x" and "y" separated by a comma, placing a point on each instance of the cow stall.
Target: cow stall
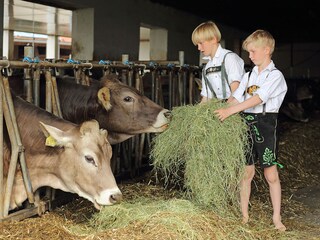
{"x": 165, "y": 83}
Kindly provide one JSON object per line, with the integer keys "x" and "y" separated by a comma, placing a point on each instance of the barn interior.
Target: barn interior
{"x": 147, "y": 44}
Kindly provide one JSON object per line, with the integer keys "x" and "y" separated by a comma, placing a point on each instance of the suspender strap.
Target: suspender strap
{"x": 224, "y": 77}
{"x": 206, "y": 81}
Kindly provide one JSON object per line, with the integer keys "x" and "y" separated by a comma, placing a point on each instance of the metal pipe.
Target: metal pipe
{"x": 170, "y": 89}
{"x": 124, "y": 76}
{"x": 191, "y": 87}
{"x": 10, "y": 177}
{"x": 139, "y": 82}
{"x": 173, "y": 90}
{"x": 77, "y": 75}
{"x": 16, "y": 143}
{"x": 36, "y": 86}
{"x": 83, "y": 77}
{"x": 156, "y": 84}
{"x": 48, "y": 91}
{"x": 56, "y": 96}
{"x": 130, "y": 76}
{"x": 45, "y": 65}
{"x": 1, "y": 149}
{"x": 53, "y": 98}
{"x": 184, "y": 87}
{"x": 28, "y": 84}
{"x": 180, "y": 90}
{"x": 153, "y": 81}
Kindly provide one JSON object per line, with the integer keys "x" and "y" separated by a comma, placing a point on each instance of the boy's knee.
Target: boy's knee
{"x": 271, "y": 177}
{"x": 249, "y": 173}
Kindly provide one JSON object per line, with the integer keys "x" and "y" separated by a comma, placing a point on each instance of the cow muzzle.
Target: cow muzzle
{"x": 107, "y": 198}
{"x": 116, "y": 198}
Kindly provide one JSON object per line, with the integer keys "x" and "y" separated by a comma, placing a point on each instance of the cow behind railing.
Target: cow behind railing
{"x": 168, "y": 85}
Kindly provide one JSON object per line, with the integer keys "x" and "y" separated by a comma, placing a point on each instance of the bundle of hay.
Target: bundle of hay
{"x": 202, "y": 155}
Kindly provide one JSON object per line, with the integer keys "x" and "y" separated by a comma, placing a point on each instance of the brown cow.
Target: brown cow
{"x": 119, "y": 108}
{"x": 77, "y": 159}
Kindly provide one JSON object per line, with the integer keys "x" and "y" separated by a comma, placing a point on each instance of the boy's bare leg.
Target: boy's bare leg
{"x": 245, "y": 191}
{"x": 272, "y": 177}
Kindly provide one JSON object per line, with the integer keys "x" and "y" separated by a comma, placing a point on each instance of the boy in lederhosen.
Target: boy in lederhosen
{"x": 260, "y": 95}
{"x": 222, "y": 74}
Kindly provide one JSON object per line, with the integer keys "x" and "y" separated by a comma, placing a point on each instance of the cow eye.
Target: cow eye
{"x": 128, "y": 99}
{"x": 90, "y": 159}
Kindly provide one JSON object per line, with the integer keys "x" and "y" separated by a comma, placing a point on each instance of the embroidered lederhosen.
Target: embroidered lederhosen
{"x": 263, "y": 139}
{"x": 224, "y": 77}
{"x": 263, "y": 134}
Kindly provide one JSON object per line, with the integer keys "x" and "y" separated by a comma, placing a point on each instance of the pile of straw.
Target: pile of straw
{"x": 202, "y": 155}
{"x": 175, "y": 218}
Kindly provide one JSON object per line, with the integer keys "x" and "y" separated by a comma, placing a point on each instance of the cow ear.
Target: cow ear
{"x": 104, "y": 132}
{"x": 89, "y": 126}
{"x": 104, "y": 97}
{"x": 55, "y": 137}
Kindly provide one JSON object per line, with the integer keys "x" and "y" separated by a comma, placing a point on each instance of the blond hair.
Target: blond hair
{"x": 204, "y": 32}
{"x": 260, "y": 38}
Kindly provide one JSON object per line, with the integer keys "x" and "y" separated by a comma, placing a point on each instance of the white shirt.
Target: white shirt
{"x": 269, "y": 84}
{"x": 234, "y": 66}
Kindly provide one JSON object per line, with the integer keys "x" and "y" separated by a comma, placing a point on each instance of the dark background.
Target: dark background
{"x": 288, "y": 21}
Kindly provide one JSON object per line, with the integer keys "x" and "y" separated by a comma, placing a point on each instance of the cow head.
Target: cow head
{"x": 84, "y": 163}
{"x": 129, "y": 112}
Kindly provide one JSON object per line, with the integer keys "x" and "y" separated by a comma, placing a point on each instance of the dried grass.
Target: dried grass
{"x": 149, "y": 218}
{"x": 299, "y": 154}
{"x": 202, "y": 155}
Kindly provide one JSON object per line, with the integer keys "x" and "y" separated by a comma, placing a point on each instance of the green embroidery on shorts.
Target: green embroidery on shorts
{"x": 268, "y": 157}
{"x": 257, "y": 134}
{"x": 249, "y": 117}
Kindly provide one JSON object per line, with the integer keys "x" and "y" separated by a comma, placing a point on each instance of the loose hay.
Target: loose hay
{"x": 161, "y": 218}
{"x": 299, "y": 153}
{"x": 176, "y": 217}
{"x": 203, "y": 155}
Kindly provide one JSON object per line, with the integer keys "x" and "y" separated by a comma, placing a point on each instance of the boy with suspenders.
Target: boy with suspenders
{"x": 259, "y": 96}
{"x": 223, "y": 71}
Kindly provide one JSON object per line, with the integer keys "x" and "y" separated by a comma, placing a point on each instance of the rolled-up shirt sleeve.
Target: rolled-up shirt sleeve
{"x": 235, "y": 67}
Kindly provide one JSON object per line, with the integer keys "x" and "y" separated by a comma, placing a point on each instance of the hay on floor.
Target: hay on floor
{"x": 203, "y": 155}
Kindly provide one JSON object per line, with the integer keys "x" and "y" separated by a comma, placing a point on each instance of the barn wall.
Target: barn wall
{"x": 82, "y": 41}
{"x": 116, "y": 31}
{"x": 122, "y": 20}
{"x": 298, "y": 60}
{"x": 117, "y": 26}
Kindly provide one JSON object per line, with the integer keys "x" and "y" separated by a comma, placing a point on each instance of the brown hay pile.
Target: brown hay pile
{"x": 203, "y": 155}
